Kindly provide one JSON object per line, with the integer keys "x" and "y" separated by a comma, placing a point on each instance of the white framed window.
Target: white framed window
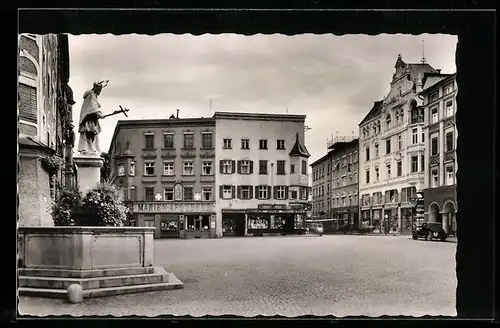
{"x": 414, "y": 136}
{"x": 168, "y": 168}
{"x": 245, "y": 167}
{"x": 245, "y": 192}
{"x": 400, "y": 142}
{"x": 132, "y": 169}
{"x": 388, "y": 167}
{"x": 121, "y": 169}
{"x": 226, "y": 143}
{"x": 263, "y": 144}
{"x": 367, "y": 175}
{"x": 188, "y": 168}
{"x": 450, "y": 175}
{"x": 303, "y": 192}
{"x": 227, "y": 192}
{"x": 168, "y": 193}
{"x": 280, "y": 192}
{"x": 449, "y": 108}
{"x": 399, "y": 168}
{"x": 435, "y": 177}
{"x": 434, "y": 96}
{"x": 280, "y": 144}
{"x": 414, "y": 164}
{"x": 434, "y": 145}
{"x": 448, "y": 89}
{"x": 227, "y": 166}
{"x": 377, "y": 174}
{"x": 206, "y": 193}
{"x": 207, "y": 168}
{"x": 245, "y": 143}
{"x": 434, "y": 115}
{"x": 262, "y": 192}
{"x": 149, "y": 168}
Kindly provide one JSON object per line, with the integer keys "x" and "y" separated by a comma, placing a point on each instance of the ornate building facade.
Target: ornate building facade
{"x": 392, "y": 152}
{"x": 440, "y": 201}
{"x": 45, "y": 130}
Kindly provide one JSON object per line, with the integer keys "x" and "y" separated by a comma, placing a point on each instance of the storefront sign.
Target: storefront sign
{"x": 173, "y": 207}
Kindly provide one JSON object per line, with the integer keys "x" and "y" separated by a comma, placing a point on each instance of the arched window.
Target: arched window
{"x": 27, "y": 92}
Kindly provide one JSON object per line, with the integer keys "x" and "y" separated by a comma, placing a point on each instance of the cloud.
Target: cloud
{"x": 334, "y": 80}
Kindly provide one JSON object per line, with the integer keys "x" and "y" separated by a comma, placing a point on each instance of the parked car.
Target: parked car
{"x": 430, "y": 231}
{"x": 315, "y": 227}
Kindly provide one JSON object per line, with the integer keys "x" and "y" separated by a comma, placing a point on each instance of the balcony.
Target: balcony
{"x": 188, "y": 152}
{"x": 149, "y": 153}
{"x": 207, "y": 152}
{"x": 168, "y": 153}
{"x": 417, "y": 119}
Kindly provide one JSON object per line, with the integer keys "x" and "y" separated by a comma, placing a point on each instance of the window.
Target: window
{"x": 388, "y": 167}
{"x": 388, "y": 120}
{"x": 414, "y": 164}
{"x": 280, "y": 192}
{"x": 422, "y": 163}
{"x": 168, "y": 168}
{"x": 355, "y": 157}
{"x": 304, "y": 167}
{"x": 263, "y": 144}
{"x": 435, "y": 178}
{"x": 149, "y": 223}
{"x": 262, "y": 192}
{"x": 206, "y": 193}
{"x": 149, "y": 194}
{"x": 262, "y": 167}
{"x": 133, "y": 194}
{"x": 434, "y": 146}
{"x": 449, "y": 108}
{"x": 292, "y": 168}
{"x": 449, "y": 141}
{"x": 399, "y": 168}
{"x": 245, "y": 143}
{"x": 206, "y": 140}
{"x": 207, "y": 168}
{"x": 168, "y": 141}
{"x": 367, "y": 153}
{"x": 245, "y": 167}
{"x": 435, "y": 116}
{"x": 450, "y": 175}
{"x": 121, "y": 169}
{"x": 28, "y": 109}
{"x": 388, "y": 146}
{"x": 188, "y": 140}
{"x": 448, "y": 89}
{"x": 188, "y": 168}
{"x": 280, "y": 167}
{"x": 293, "y": 194}
{"x": 376, "y": 150}
{"x": 400, "y": 142}
{"x": 367, "y": 176}
{"x": 132, "y": 169}
{"x": 423, "y": 137}
{"x": 227, "y": 166}
{"x": 168, "y": 193}
{"x": 149, "y": 141}
{"x": 377, "y": 174}
{"x": 188, "y": 193}
{"x": 280, "y": 144}
{"x": 227, "y": 192}
{"x": 414, "y": 136}
{"x": 149, "y": 168}
{"x": 226, "y": 144}
{"x": 434, "y": 96}
{"x": 245, "y": 192}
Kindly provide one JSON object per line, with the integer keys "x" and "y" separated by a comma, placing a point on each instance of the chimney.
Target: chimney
{"x": 438, "y": 70}
{"x": 177, "y": 114}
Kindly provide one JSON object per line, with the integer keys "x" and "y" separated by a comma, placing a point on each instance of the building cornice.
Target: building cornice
{"x": 259, "y": 116}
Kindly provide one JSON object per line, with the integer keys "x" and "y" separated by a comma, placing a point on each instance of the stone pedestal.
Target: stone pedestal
{"x": 89, "y": 171}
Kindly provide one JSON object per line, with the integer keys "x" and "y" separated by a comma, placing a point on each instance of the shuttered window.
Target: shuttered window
{"x": 27, "y": 103}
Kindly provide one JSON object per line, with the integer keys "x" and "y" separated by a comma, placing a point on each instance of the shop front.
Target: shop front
{"x": 377, "y": 219}
{"x": 177, "y": 219}
{"x": 408, "y": 215}
{"x": 390, "y": 220}
{"x": 366, "y": 219}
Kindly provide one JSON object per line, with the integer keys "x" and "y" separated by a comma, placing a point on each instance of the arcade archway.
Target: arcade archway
{"x": 434, "y": 215}
{"x": 449, "y": 218}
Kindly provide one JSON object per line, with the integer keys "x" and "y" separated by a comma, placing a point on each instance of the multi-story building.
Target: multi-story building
{"x": 321, "y": 187}
{"x": 45, "y": 125}
{"x": 166, "y": 168}
{"x": 344, "y": 182}
{"x": 392, "y": 158}
{"x": 440, "y": 202}
{"x": 263, "y": 173}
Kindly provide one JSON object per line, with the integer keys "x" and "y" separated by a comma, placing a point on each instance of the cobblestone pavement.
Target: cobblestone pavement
{"x": 289, "y": 276}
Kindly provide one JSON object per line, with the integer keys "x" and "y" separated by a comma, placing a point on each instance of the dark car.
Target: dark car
{"x": 430, "y": 231}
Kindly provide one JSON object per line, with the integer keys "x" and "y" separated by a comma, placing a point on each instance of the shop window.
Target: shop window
{"x": 276, "y": 222}
{"x": 149, "y": 223}
{"x": 169, "y": 226}
{"x": 257, "y": 223}
{"x": 205, "y": 222}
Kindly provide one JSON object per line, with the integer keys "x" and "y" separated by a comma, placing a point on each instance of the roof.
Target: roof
{"x": 299, "y": 149}
{"x": 30, "y": 143}
{"x": 431, "y": 79}
{"x": 343, "y": 144}
{"x": 318, "y": 161}
{"x": 258, "y": 116}
{"x": 374, "y": 112}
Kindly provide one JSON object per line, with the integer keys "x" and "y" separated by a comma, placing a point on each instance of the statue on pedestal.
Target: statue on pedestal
{"x": 90, "y": 114}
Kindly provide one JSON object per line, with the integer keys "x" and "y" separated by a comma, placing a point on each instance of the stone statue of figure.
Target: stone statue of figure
{"x": 89, "y": 127}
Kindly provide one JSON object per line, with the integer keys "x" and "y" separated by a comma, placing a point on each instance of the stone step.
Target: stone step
{"x": 101, "y": 292}
{"x": 92, "y": 283}
{"x": 33, "y": 272}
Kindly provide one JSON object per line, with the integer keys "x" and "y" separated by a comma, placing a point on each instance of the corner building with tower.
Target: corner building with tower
{"x": 233, "y": 174}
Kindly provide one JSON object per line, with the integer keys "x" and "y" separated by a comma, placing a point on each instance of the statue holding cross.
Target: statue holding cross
{"x": 90, "y": 114}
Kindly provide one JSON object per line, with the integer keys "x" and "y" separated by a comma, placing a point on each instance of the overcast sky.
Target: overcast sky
{"x": 334, "y": 80}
